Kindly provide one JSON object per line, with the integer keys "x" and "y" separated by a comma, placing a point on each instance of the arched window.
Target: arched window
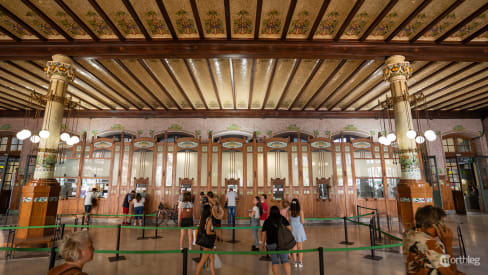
{"x": 118, "y": 136}
{"x": 457, "y": 144}
{"x": 294, "y": 136}
{"x": 173, "y": 135}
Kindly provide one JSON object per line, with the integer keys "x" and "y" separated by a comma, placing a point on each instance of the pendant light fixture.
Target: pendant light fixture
{"x": 24, "y": 133}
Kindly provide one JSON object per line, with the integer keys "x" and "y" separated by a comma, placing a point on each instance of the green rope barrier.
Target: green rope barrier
{"x": 383, "y": 232}
{"x": 28, "y": 227}
{"x": 90, "y": 226}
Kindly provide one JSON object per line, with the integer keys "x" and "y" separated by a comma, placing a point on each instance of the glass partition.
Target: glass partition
{"x": 278, "y": 165}
{"x": 68, "y": 187}
{"x": 142, "y": 165}
{"x": 322, "y": 164}
{"x": 100, "y": 184}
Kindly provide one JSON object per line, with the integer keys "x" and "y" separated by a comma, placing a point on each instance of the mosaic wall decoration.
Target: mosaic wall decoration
{"x": 242, "y": 24}
{"x": 182, "y": 18}
{"x": 273, "y": 17}
{"x": 212, "y": 16}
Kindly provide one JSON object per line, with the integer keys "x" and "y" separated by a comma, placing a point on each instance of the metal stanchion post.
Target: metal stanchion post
{"x": 144, "y": 225}
{"x": 117, "y": 257}
{"x": 156, "y": 229}
{"x": 357, "y": 213}
{"x": 233, "y": 233}
{"x": 379, "y": 225}
{"x": 372, "y": 242}
{"x": 62, "y": 231}
{"x": 82, "y": 222}
{"x": 52, "y": 256}
{"x": 185, "y": 261}
{"x": 321, "y": 261}
{"x": 346, "y": 242}
{"x": 76, "y": 223}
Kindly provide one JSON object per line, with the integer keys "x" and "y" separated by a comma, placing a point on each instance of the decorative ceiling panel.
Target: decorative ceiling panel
{"x": 263, "y": 69}
{"x": 465, "y": 31}
{"x": 273, "y": 18}
{"x": 281, "y": 76}
{"x": 151, "y": 17}
{"x": 333, "y": 18}
{"x": 313, "y": 87}
{"x": 91, "y": 18}
{"x": 424, "y": 18}
{"x": 61, "y": 18}
{"x": 460, "y": 98}
{"x": 452, "y": 19}
{"x": 303, "y": 18}
{"x": 243, "y": 18}
{"x": 121, "y": 18}
{"x": 242, "y": 81}
{"x": 157, "y": 67}
{"x": 440, "y": 100}
{"x": 4, "y": 36}
{"x": 200, "y": 70}
{"x": 28, "y": 86}
{"x": 364, "y": 17}
{"x": 212, "y": 16}
{"x": 472, "y": 105}
{"x": 394, "y": 18}
{"x": 182, "y": 18}
{"x": 304, "y": 72}
{"x": 180, "y": 71}
{"x": 374, "y": 79}
{"x": 342, "y": 75}
{"x": 481, "y": 38}
{"x": 438, "y": 76}
{"x": 140, "y": 72}
{"x": 221, "y": 71}
{"x": 368, "y": 68}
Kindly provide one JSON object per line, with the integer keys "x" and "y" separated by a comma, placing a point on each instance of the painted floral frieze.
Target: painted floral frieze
{"x": 272, "y": 23}
{"x": 414, "y": 26}
{"x": 156, "y": 25}
{"x": 357, "y": 24}
{"x": 442, "y": 26}
{"x": 40, "y": 24}
{"x": 125, "y": 23}
{"x": 301, "y": 25}
{"x": 69, "y": 24}
{"x": 184, "y": 25}
{"x": 386, "y": 25}
{"x": 243, "y": 24}
{"x": 475, "y": 24}
{"x": 213, "y": 24}
{"x": 329, "y": 25}
{"x": 12, "y": 26}
{"x": 98, "y": 24}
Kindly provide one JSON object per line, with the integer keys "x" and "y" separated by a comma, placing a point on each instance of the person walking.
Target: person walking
{"x": 230, "y": 200}
{"x": 185, "y": 218}
{"x": 89, "y": 202}
{"x": 206, "y": 239}
{"x": 126, "y": 205}
{"x": 255, "y": 214}
{"x": 297, "y": 219}
{"x": 77, "y": 250}
{"x": 270, "y": 237}
{"x": 138, "y": 208}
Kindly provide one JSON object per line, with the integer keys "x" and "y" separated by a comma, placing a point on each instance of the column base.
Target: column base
{"x": 412, "y": 194}
{"x": 38, "y": 207}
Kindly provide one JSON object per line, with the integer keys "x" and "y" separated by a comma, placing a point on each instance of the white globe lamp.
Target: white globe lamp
{"x": 44, "y": 134}
{"x": 382, "y": 139}
{"x": 35, "y": 139}
{"x": 430, "y": 135}
{"x": 420, "y": 139}
{"x": 387, "y": 142}
{"x": 23, "y": 134}
{"x": 64, "y": 136}
{"x": 391, "y": 137}
{"x": 74, "y": 139}
{"x": 411, "y": 134}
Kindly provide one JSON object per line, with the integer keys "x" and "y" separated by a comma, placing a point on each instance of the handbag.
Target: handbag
{"x": 205, "y": 240}
{"x": 286, "y": 241}
{"x": 217, "y": 262}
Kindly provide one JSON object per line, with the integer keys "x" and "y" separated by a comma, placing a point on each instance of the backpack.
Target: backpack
{"x": 218, "y": 212}
{"x": 286, "y": 241}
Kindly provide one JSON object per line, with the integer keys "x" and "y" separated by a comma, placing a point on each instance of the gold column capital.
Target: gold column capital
{"x": 397, "y": 66}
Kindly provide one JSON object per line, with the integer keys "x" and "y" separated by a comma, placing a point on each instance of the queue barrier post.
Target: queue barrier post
{"x": 346, "y": 241}
{"x": 357, "y": 213}
{"x": 233, "y": 233}
{"x": 372, "y": 241}
{"x": 117, "y": 256}
{"x": 76, "y": 223}
{"x": 144, "y": 225}
{"x": 156, "y": 229}
{"x": 378, "y": 225}
{"x": 82, "y": 221}
{"x": 52, "y": 256}
{"x": 185, "y": 261}
{"x": 62, "y": 231}
{"x": 321, "y": 261}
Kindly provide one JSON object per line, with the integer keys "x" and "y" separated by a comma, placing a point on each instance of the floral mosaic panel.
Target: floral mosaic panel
{"x": 182, "y": 18}
{"x": 364, "y": 17}
{"x": 273, "y": 17}
{"x": 151, "y": 17}
{"x": 121, "y": 17}
{"x": 212, "y": 16}
{"x": 91, "y": 18}
{"x": 334, "y": 16}
{"x": 242, "y": 17}
{"x": 303, "y": 18}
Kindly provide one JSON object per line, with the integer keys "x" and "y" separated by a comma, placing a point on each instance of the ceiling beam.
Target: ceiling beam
{"x": 182, "y": 91}
{"x": 257, "y": 24}
{"x": 195, "y": 82}
{"x": 214, "y": 84}
{"x": 228, "y": 26}
{"x": 378, "y": 19}
{"x": 48, "y": 20}
{"x": 307, "y": 82}
{"x": 442, "y": 104}
{"x": 268, "y": 89}
{"x": 77, "y": 19}
{"x": 9, "y": 34}
{"x": 286, "y": 26}
{"x": 246, "y": 49}
{"x": 246, "y": 114}
{"x": 166, "y": 17}
{"x": 468, "y": 19}
{"x": 288, "y": 82}
{"x": 320, "y": 15}
{"x": 136, "y": 18}
{"x": 407, "y": 20}
{"x": 348, "y": 20}
{"x": 196, "y": 15}
{"x": 475, "y": 34}
{"x": 107, "y": 20}
{"x": 9, "y": 105}
{"x": 467, "y": 101}
{"x": 476, "y": 106}
{"x": 251, "y": 84}
{"x": 160, "y": 85}
{"x": 437, "y": 20}
{"x": 22, "y": 23}
{"x": 8, "y": 93}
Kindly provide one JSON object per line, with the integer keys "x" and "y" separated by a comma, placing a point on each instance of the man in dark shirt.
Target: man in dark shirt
{"x": 270, "y": 237}
{"x": 126, "y": 204}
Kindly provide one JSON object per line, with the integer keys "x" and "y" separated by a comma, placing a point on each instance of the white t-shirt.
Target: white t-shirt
{"x": 231, "y": 198}
{"x": 256, "y": 212}
{"x": 89, "y": 196}
{"x": 140, "y": 203}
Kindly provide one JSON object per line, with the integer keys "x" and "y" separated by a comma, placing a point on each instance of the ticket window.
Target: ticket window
{"x": 68, "y": 187}
{"x": 323, "y": 191}
{"x": 233, "y": 187}
{"x": 185, "y": 187}
{"x": 278, "y": 189}
{"x": 100, "y": 184}
{"x": 141, "y": 188}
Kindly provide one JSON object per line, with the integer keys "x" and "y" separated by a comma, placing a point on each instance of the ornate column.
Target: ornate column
{"x": 413, "y": 191}
{"x": 40, "y": 195}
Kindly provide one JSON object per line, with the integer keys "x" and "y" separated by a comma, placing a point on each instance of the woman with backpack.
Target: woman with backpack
{"x": 206, "y": 239}
{"x": 185, "y": 218}
{"x": 255, "y": 214}
{"x": 297, "y": 219}
{"x": 273, "y": 227}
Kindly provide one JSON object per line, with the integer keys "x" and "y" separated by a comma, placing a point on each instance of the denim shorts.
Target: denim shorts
{"x": 275, "y": 258}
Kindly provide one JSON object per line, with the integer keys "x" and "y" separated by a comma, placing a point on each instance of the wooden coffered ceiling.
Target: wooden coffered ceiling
{"x": 238, "y": 57}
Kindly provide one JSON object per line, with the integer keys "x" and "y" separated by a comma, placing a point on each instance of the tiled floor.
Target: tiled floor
{"x": 350, "y": 262}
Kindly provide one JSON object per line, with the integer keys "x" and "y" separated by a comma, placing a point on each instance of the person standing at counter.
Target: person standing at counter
{"x": 126, "y": 204}
{"x": 90, "y": 201}
{"x": 230, "y": 199}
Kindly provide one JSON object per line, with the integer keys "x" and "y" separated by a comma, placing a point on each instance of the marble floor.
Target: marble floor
{"x": 329, "y": 235}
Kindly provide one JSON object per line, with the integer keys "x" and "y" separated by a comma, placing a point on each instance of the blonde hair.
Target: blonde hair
{"x": 73, "y": 244}
{"x": 285, "y": 203}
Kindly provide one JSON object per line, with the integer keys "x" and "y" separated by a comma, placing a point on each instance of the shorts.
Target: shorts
{"x": 138, "y": 211}
{"x": 261, "y": 222}
{"x": 125, "y": 210}
{"x": 216, "y": 223}
{"x": 276, "y": 258}
{"x": 88, "y": 208}
{"x": 186, "y": 222}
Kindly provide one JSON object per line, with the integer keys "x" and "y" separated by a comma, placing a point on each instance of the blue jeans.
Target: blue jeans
{"x": 275, "y": 258}
{"x": 88, "y": 208}
{"x": 232, "y": 214}
{"x": 138, "y": 211}
{"x": 255, "y": 222}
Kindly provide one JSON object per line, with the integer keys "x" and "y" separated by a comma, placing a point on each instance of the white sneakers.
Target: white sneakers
{"x": 298, "y": 264}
